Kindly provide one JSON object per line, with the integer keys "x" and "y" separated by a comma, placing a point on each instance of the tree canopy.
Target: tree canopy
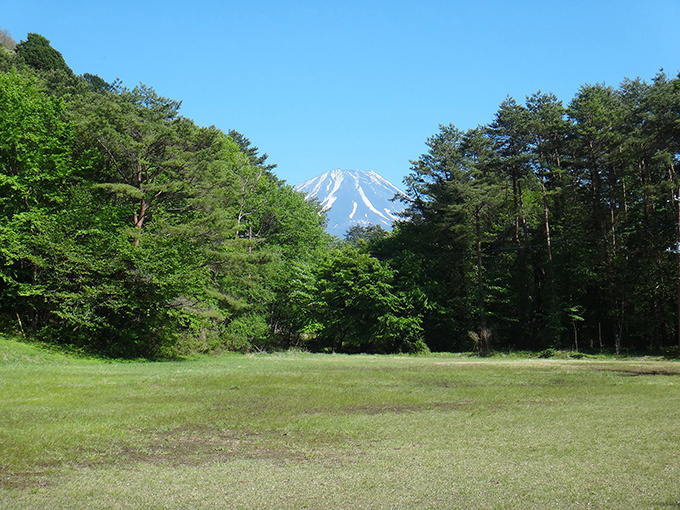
{"x": 550, "y": 226}
{"x": 37, "y": 52}
{"x": 127, "y": 229}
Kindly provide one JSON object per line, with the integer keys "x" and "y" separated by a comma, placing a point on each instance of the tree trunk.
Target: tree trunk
{"x": 678, "y": 255}
{"x": 573, "y": 323}
{"x": 480, "y": 275}
{"x": 546, "y": 218}
{"x": 140, "y": 216}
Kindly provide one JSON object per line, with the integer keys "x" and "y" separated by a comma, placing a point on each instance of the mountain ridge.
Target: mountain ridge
{"x": 354, "y": 197}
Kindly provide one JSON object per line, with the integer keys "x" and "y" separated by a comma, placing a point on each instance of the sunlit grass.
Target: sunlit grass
{"x": 326, "y": 431}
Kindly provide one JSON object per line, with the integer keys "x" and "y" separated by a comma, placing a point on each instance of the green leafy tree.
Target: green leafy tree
{"x": 138, "y": 133}
{"x": 548, "y": 129}
{"x": 128, "y": 269}
{"x": 37, "y": 53}
{"x": 283, "y": 238}
{"x": 35, "y": 173}
{"x": 34, "y": 148}
{"x": 454, "y": 200}
{"x": 97, "y": 84}
{"x": 252, "y": 152}
{"x": 597, "y": 166}
{"x": 359, "y": 235}
{"x": 355, "y": 307}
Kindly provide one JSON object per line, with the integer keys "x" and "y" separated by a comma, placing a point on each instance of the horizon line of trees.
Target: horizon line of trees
{"x": 551, "y": 227}
{"x": 127, "y": 229}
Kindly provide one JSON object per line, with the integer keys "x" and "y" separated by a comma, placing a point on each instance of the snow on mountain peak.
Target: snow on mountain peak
{"x": 354, "y": 197}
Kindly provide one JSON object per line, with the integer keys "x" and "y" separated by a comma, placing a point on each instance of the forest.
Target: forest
{"x": 127, "y": 230}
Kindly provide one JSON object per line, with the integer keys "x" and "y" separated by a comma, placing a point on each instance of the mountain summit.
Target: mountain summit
{"x": 354, "y": 197}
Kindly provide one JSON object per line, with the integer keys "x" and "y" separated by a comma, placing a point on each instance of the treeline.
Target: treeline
{"x": 127, "y": 229}
{"x": 550, "y": 227}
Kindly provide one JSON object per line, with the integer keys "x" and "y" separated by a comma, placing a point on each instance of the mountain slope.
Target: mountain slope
{"x": 354, "y": 197}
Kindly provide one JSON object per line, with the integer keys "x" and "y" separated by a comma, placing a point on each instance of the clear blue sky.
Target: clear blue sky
{"x": 353, "y": 84}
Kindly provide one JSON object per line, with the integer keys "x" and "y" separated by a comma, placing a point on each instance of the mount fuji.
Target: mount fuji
{"x": 354, "y": 197}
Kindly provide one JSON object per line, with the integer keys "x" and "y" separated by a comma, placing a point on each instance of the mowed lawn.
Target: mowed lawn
{"x": 337, "y": 432}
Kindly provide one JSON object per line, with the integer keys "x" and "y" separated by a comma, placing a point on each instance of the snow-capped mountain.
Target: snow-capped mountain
{"x": 354, "y": 197}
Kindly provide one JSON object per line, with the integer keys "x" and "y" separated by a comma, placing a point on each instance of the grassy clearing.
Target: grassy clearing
{"x": 315, "y": 431}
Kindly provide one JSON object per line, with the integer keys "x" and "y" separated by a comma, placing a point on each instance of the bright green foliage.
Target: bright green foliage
{"x": 138, "y": 134}
{"x": 35, "y": 173}
{"x": 34, "y": 147}
{"x": 129, "y": 230}
{"x": 355, "y": 307}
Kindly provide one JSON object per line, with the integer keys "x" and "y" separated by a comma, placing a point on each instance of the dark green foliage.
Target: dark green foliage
{"x": 37, "y": 53}
{"x": 549, "y": 228}
{"x": 251, "y": 152}
{"x": 97, "y": 84}
{"x": 364, "y": 234}
{"x": 454, "y": 201}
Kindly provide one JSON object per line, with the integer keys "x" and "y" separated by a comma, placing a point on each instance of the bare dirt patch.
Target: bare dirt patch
{"x": 641, "y": 371}
{"x": 191, "y": 446}
{"x": 399, "y": 409}
{"x": 638, "y": 373}
{"x": 25, "y": 480}
{"x": 203, "y": 445}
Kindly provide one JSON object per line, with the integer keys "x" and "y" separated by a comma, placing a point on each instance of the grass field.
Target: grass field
{"x": 330, "y": 431}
